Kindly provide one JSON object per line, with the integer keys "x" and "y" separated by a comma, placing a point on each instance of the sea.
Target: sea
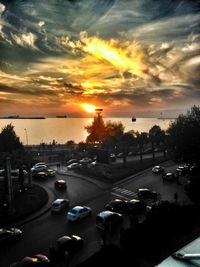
{"x": 37, "y": 131}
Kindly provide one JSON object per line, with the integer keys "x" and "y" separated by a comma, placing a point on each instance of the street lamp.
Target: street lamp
{"x": 26, "y": 136}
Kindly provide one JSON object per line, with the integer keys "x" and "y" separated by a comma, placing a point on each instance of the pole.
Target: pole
{"x": 9, "y": 185}
{"x": 26, "y": 136}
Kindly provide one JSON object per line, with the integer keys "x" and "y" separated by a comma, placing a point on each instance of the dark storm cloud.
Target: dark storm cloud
{"x": 15, "y": 90}
{"x": 73, "y": 89}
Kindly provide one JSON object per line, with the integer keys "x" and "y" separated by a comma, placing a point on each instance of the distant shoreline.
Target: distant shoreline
{"x": 17, "y": 117}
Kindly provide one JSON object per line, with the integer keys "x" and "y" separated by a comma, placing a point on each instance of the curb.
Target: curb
{"x": 38, "y": 213}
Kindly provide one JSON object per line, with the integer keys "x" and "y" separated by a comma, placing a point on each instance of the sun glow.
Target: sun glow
{"x": 88, "y": 108}
{"x": 86, "y": 84}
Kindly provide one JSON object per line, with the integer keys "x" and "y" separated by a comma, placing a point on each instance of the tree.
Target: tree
{"x": 184, "y": 136}
{"x": 141, "y": 140}
{"x": 9, "y": 141}
{"x": 155, "y": 136}
{"x": 96, "y": 130}
{"x": 109, "y": 132}
{"x": 70, "y": 145}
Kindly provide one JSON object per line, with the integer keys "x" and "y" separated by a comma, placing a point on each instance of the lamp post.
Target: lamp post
{"x": 26, "y": 136}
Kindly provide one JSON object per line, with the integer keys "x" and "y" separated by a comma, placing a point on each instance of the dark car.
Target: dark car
{"x": 9, "y": 234}
{"x": 60, "y": 184}
{"x": 135, "y": 206}
{"x": 169, "y": 176}
{"x": 145, "y": 193}
{"x": 117, "y": 205}
{"x": 51, "y": 173}
{"x": 38, "y": 260}
{"x": 106, "y": 220}
{"x": 182, "y": 170}
{"x": 40, "y": 175}
{"x": 65, "y": 245}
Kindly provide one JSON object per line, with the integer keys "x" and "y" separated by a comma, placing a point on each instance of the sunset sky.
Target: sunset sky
{"x": 126, "y": 56}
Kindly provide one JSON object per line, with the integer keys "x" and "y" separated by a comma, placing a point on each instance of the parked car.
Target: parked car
{"x": 85, "y": 160}
{"x": 106, "y": 220}
{"x": 169, "y": 176}
{"x": 145, "y": 193}
{"x": 64, "y": 245}
{"x": 120, "y": 155}
{"x": 38, "y": 260}
{"x": 14, "y": 174}
{"x": 158, "y": 169}
{"x": 74, "y": 166}
{"x": 182, "y": 170}
{"x": 78, "y": 212}
{"x": 135, "y": 206}
{"x": 69, "y": 162}
{"x": 112, "y": 157}
{"x": 60, "y": 184}
{"x": 9, "y": 234}
{"x": 117, "y": 205}
{"x": 60, "y": 204}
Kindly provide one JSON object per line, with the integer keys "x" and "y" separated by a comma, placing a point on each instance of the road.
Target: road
{"x": 40, "y": 234}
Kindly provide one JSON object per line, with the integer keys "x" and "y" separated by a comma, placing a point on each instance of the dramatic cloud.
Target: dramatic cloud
{"x": 120, "y": 55}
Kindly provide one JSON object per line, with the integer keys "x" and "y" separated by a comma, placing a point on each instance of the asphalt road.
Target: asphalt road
{"x": 40, "y": 234}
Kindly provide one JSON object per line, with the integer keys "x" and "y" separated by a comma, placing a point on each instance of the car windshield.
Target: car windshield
{"x": 74, "y": 211}
{"x": 99, "y": 219}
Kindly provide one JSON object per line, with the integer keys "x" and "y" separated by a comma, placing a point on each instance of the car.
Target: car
{"x": 74, "y": 166}
{"x": 158, "y": 169}
{"x": 136, "y": 206}
{"x": 38, "y": 260}
{"x": 85, "y": 160}
{"x": 120, "y": 155}
{"x": 182, "y": 170}
{"x": 9, "y": 234}
{"x": 60, "y": 184}
{"x": 59, "y": 204}
{"x": 64, "y": 245}
{"x": 39, "y": 168}
{"x": 112, "y": 157}
{"x": 78, "y": 212}
{"x": 51, "y": 173}
{"x": 71, "y": 161}
{"x": 117, "y": 205}
{"x": 106, "y": 220}
{"x": 169, "y": 176}
{"x": 40, "y": 175}
{"x": 14, "y": 174}
{"x": 39, "y": 164}
{"x": 145, "y": 193}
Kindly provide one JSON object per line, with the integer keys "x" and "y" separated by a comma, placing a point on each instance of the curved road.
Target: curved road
{"x": 39, "y": 234}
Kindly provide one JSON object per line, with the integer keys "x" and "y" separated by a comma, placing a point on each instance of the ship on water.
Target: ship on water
{"x": 61, "y": 116}
{"x": 133, "y": 119}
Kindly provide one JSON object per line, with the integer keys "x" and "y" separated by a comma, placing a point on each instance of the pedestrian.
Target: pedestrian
{"x": 21, "y": 179}
{"x": 103, "y": 240}
{"x": 176, "y": 197}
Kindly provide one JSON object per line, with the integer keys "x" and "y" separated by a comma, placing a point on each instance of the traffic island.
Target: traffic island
{"x": 24, "y": 203}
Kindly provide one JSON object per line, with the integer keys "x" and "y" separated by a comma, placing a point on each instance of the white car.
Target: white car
{"x": 39, "y": 168}
{"x": 78, "y": 212}
{"x": 74, "y": 166}
{"x": 158, "y": 169}
{"x": 59, "y": 204}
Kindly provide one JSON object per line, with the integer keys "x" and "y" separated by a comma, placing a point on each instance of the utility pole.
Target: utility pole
{"x": 9, "y": 185}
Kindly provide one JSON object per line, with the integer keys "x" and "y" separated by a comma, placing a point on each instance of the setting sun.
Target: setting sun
{"x": 88, "y": 108}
